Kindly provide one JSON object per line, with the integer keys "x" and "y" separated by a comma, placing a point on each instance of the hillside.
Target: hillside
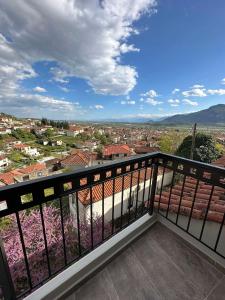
{"x": 212, "y": 115}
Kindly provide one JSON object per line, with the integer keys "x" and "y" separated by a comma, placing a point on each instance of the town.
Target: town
{"x": 32, "y": 148}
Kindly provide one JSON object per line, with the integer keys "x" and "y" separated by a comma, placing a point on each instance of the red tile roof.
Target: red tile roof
{"x": 217, "y": 205}
{"x": 20, "y": 146}
{"x": 84, "y": 195}
{"x": 144, "y": 149}
{"x": 33, "y": 168}
{"x": 78, "y": 158}
{"x": 116, "y": 149}
{"x": 8, "y": 177}
{"x": 220, "y": 162}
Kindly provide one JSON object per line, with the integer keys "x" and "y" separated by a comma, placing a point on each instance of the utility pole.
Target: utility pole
{"x": 193, "y": 141}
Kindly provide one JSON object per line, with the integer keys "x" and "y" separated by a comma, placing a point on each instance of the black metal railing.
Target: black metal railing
{"x": 49, "y": 223}
{"x": 194, "y": 199}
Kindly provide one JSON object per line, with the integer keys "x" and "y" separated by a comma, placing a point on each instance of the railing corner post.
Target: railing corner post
{"x": 153, "y": 185}
{"x": 7, "y": 291}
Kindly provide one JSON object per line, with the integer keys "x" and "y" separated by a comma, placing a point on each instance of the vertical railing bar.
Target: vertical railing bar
{"x": 6, "y": 281}
{"x": 171, "y": 188}
{"x": 153, "y": 187}
{"x": 122, "y": 195}
{"x": 137, "y": 195}
{"x": 24, "y": 250}
{"x": 63, "y": 233}
{"x": 113, "y": 202}
{"x": 160, "y": 195}
{"x": 45, "y": 239}
{"x": 219, "y": 233}
{"x": 78, "y": 223}
{"x": 143, "y": 196}
{"x": 131, "y": 183}
{"x": 192, "y": 206}
{"x": 150, "y": 187}
{"x": 206, "y": 214}
{"x": 181, "y": 196}
{"x": 91, "y": 202}
{"x": 103, "y": 211}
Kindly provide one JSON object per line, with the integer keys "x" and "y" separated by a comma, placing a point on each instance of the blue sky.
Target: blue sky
{"x": 141, "y": 58}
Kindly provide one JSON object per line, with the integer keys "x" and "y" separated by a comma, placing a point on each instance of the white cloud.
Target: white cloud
{"x": 223, "y": 81}
{"x": 98, "y": 106}
{"x": 218, "y": 92}
{"x": 175, "y": 91}
{"x": 174, "y": 101}
{"x": 64, "y": 89}
{"x": 192, "y": 103}
{"x": 153, "y": 101}
{"x": 89, "y": 38}
{"x": 197, "y": 86}
{"x": 124, "y": 48}
{"x": 39, "y": 89}
{"x": 150, "y": 93}
{"x": 195, "y": 92}
{"x": 129, "y": 102}
{"x": 13, "y": 99}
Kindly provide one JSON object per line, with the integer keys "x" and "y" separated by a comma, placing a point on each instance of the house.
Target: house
{"x": 4, "y": 162}
{"x": 74, "y": 130}
{"x": 52, "y": 164}
{"x": 4, "y": 130}
{"x": 116, "y": 151}
{"x": 32, "y": 172}
{"x": 26, "y": 149}
{"x": 76, "y": 161}
{"x": 56, "y": 143}
{"x": 145, "y": 149}
{"x": 44, "y": 142}
{"x": 133, "y": 197}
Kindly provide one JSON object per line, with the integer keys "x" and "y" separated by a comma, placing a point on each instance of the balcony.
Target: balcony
{"x": 148, "y": 227}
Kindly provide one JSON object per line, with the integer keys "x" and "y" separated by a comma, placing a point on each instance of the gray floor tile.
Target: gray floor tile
{"x": 196, "y": 268}
{"x": 157, "y": 266}
{"x": 218, "y": 293}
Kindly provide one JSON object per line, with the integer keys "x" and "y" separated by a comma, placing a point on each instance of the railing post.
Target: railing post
{"x": 7, "y": 291}
{"x": 153, "y": 185}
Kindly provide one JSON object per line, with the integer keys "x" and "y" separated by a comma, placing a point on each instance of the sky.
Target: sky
{"x": 111, "y": 59}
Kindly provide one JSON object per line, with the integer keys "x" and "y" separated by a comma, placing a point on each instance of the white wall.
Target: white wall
{"x": 84, "y": 211}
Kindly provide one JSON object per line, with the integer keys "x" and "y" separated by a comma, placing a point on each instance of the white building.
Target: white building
{"x": 4, "y": 162}
{"x": 74, "y": 131}
{"x": 132, "y": 199}
{"x": 26, "y": 149}
{"x": 5, "y": 131}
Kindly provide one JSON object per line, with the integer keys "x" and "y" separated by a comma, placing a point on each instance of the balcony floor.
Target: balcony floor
{"x": 159, "y": 265}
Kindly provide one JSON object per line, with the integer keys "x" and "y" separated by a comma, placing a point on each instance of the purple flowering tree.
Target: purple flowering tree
{"x": 35, "y": 245}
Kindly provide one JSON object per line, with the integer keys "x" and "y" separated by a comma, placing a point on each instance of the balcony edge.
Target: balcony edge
{"x": 67, "y": 280}
{"x": 191, "y": 242}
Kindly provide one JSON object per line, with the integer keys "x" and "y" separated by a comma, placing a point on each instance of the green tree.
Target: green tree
{"x": 205, "y": 148}
{"x": 166, "y": 144}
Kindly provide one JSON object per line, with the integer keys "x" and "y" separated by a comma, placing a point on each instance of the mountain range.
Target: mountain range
{"x": 212, "y": 115}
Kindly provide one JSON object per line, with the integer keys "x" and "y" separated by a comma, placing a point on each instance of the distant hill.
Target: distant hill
{"x": 212, "y": 115}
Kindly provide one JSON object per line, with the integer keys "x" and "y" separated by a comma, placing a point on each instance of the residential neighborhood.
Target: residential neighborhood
{"x": 32, "y": 148}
